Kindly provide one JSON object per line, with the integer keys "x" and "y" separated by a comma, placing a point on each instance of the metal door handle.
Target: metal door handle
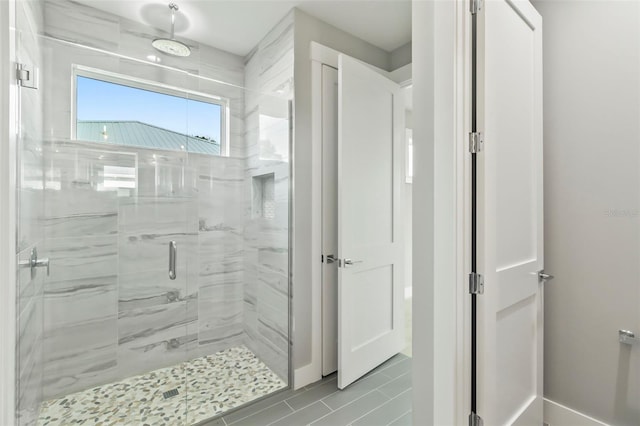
{"x": 349, "y": 262}
{"x": 41, "y": 263}
{"x": 173, "y": 254}
{"x": 544, "y": 277}
{"x": 33, "y": 262}
{"x": 627, "y": 337}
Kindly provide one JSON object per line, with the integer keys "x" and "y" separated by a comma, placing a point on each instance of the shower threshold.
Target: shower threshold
{"x": 183, "y": 394}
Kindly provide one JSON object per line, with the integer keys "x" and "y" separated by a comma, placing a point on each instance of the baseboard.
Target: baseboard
{"x": 558, "y": 415}
{"x": 306, "y": 375}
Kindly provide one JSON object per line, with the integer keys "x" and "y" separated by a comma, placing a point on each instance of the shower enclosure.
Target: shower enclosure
{"x": 153, "y": 221}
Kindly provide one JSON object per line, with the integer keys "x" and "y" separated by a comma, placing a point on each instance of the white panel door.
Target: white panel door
{"x": 370, "y": 232}
{"x": 510, "y": 214}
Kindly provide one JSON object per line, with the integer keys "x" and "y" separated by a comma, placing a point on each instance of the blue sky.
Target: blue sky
{"x": 101, "y": 100}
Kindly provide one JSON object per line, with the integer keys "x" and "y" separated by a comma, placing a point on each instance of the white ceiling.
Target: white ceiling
{"x": 238, "y": 25}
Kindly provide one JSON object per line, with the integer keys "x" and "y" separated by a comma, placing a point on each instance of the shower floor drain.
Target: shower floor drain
{"x": 169, "y": 394}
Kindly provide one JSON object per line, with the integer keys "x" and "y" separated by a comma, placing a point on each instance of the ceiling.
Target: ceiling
{"x": 238, "y": 25}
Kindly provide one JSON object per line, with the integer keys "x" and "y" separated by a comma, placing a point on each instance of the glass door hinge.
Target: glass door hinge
{"x": 476, "y": 283}
{"x": 475, "y": 420}
{"x": 476, "y": 6}
{"x": 27, "y": 76}
{"x": 476, "y": 141}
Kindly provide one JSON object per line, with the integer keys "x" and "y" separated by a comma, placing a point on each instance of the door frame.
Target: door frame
{"x": 325, "y": 56}
{"x": 8, "y": 209}
{"x": 441, "y": 194}
{"x": 322, "y": 55}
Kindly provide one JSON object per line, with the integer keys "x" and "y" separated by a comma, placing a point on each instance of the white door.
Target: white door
{"x": 510, "y": 214}
{"x": 370, "y": 232}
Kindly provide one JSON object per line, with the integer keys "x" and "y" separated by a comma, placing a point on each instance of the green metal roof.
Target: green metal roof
{"x": 138, "y": 134}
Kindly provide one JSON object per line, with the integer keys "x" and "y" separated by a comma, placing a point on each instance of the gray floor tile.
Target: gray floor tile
{"x": 398, "y": 369}
{"x": 266, "y": 416}
{"x": 325, "y": 379}
{"x": 350, "y": 412}
{"x": 391, "y": 361}
{"x": 305, "y": 416}
{"x": 312, "y": 395}
{"x": 234, "y": 416}
{"x": 397, "y": 386}
{"x": 356, "y": 390}
{"x": 388, "y": 412}
{"x": 405, "y": 420}
{"x": 215, "y": 422}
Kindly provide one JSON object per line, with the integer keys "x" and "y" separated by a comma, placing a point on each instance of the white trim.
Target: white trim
{"x": 559, "y": 415}
{"x": 312, "y": 372}
{"x": 462, "y": 122}
{"x": 329, "y": 56}
{"x": 403, "y": 75}
{"x": 440, "y": 339}
{"x": 8, "y": 102}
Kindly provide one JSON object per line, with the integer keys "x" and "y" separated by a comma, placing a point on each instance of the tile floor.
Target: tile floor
{"x": 205, "y": 387}
{"x": 383, "y": 397}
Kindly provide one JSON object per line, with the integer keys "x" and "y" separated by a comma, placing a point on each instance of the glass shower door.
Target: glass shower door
{"x": 119, "y": 223}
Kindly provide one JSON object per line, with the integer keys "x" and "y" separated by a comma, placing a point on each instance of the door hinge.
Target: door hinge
{"x": 475, "y": 420}
{"x": 476, "y": 6}
{"x": 27, "y": 76}
{"x": 476, "y": 141}
{"x": 476, "y": 283}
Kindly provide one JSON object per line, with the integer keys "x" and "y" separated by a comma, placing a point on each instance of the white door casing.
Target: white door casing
{"x": 370, "y": 231}
{"x": 510, "y": 213}
{"x": 329, "y": 219}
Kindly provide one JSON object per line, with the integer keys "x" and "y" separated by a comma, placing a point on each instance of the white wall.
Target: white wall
{"x": 308, "y": 29}
{"x": 592, "y": 202}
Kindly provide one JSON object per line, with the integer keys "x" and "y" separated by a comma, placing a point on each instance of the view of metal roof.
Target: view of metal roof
{"x": 138, "y": 134}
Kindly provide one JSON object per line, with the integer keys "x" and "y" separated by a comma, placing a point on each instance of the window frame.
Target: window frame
{"x": 153, "y": 86}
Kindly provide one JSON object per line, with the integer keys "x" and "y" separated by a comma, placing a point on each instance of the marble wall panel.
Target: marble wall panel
{"x": 79, "y": 356}
{"x": 156, "y": 337}
{"x": 269, "y": 81}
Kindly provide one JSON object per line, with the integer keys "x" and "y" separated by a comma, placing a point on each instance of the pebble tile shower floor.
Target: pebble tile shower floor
{"x": 214, "y": 384}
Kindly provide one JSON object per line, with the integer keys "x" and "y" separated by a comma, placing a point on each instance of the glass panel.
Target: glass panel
{"x": 112, "y": 335}
{"x": 30, "y": 207}
{"x": 118, "y": 327}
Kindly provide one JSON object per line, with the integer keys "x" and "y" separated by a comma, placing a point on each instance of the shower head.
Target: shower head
{"x": 171, "y": 46}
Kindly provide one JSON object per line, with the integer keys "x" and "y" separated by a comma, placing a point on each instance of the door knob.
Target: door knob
{"x": 349, "y": 262}
{"x": 544, "y": 277}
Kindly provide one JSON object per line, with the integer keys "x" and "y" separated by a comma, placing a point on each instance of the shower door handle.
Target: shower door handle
{"x": 173, "y": 253}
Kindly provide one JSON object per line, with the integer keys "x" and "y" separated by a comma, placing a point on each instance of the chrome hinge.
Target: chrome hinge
{"x": 476, "y": 6}
{"x": 27, "y": 76}
{"x": 476, "y": 283}
{"x": 476, "y": 141}
{"x": 475, "y": 420}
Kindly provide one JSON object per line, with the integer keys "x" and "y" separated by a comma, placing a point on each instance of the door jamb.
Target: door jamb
{"x": 8, "y": 93}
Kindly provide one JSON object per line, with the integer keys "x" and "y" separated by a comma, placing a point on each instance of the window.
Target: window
{"x": 115, "y": 110}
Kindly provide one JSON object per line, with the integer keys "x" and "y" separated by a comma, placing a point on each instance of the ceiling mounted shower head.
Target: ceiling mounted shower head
{"x": 171, "y": 46}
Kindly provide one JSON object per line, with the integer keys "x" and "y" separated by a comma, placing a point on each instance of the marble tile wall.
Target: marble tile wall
{"x": 29, "y": 365}
{"x": 111, "y": 310}
{"x": 269, "y": 82}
